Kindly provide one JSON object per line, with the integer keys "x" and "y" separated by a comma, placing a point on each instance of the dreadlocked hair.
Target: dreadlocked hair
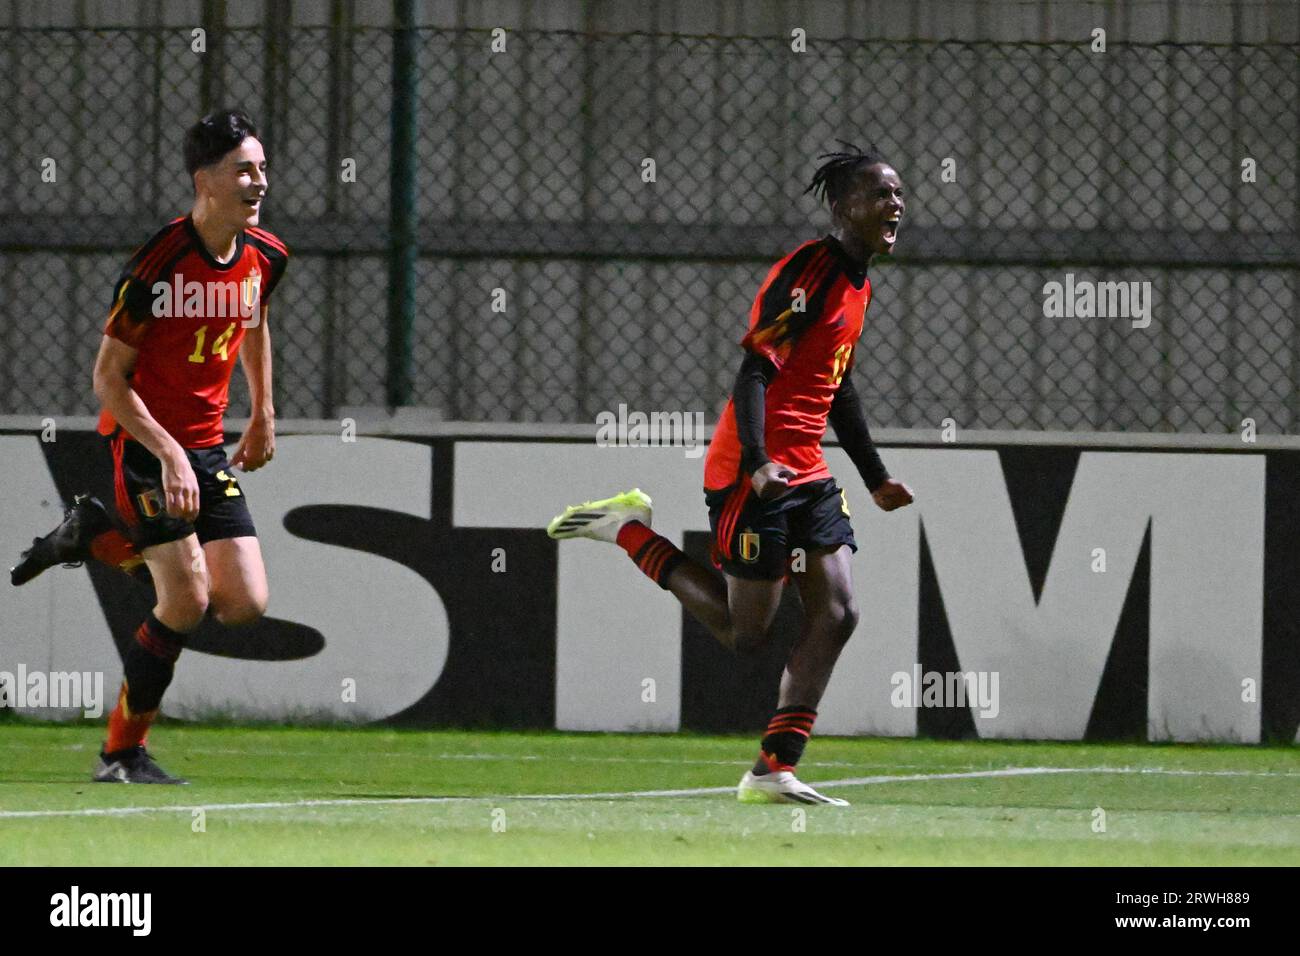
{"x": 835, "y": 176}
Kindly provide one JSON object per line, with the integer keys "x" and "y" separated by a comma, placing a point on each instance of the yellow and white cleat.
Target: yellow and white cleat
{"x": 600, "y": 520}
{"x": 781, "y": 787}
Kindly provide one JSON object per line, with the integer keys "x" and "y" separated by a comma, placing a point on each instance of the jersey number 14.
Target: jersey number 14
{"x": 218, "y": 344}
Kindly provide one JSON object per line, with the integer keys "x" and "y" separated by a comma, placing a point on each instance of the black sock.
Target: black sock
{"x": 787, "y": 734}
{"x": 150, "y": 663}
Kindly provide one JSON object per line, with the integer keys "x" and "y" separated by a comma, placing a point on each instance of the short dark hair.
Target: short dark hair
{"x": 215, "y": 135}
{"x": 834, "y": 178}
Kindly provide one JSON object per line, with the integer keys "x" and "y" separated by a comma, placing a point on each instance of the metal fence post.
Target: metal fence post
{"x": 403, "y": 243}
{"x": 213, "y": 63}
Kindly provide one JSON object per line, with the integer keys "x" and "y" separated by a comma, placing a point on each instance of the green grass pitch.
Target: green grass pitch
{"x": 280, "y": 796}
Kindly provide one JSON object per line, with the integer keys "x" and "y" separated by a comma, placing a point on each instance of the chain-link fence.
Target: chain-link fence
{"x": 554, "y": 281}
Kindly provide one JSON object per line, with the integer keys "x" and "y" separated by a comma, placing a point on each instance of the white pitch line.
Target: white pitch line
{"x": 612, "y": 795}
{"x": 847, "y": 782}
{"x": 621, "y": 794}
{"x": 1194, "y": 773}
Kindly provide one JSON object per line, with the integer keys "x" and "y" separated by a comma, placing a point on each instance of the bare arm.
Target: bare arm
{"x": 112, "y": 383}
{"x": 257, "y": 444}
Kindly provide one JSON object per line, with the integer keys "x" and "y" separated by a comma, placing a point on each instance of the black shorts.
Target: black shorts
{"x": 753, "y": 538}
{"x": 141, "y": 504}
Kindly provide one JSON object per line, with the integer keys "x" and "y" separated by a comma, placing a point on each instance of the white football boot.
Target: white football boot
{"x": 601, "y": 520}
{"x": 781, "y": 787}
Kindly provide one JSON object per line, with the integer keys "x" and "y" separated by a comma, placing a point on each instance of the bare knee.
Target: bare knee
{"x": 183, "y": 611}
{"x": 838, "y": 620}
{"x": 238, "y": 610}
{"x": 842, "y": 620}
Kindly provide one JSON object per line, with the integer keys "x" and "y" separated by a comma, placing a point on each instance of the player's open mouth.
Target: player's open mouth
{"x": 254, "y": 203}
{"x": 890, "y": 231}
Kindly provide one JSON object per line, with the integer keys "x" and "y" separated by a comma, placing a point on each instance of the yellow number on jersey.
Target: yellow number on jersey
{"x": 197, "y": 356}
{"x": 221, "y": 341}
{"x": 840, "y": 364}
{"x": 219, "y": 345}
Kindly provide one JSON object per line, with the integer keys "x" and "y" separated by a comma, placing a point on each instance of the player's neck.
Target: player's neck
{"x": 853, "y": 247}
{"x": 219, "y": 238}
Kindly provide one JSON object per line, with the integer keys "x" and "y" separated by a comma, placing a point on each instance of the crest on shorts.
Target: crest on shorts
{"x": 749, "y": 546}
{"x": 151, "y": 505}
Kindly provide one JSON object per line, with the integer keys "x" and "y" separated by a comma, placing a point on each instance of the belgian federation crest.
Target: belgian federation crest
{"x": 151, "y": 502}
{"x": 250, "y": 289}
{"x": 749, "y": 546}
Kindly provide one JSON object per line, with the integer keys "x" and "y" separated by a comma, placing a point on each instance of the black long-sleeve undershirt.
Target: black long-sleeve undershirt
{"x": 749, "y": 398}
{"x": 846, "y": 417}
{"x": 851, "y": 429}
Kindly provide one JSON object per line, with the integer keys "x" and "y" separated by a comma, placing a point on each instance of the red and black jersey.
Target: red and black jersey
{"x": 187, "y": 313}
{"x": 806, "y": 320}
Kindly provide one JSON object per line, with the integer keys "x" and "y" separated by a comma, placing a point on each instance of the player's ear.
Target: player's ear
{"x": 203, "y": 178}
{"x": 844, "y": 209}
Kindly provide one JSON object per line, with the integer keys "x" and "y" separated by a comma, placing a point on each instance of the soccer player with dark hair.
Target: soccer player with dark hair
{"x": 766, "y": 481}
{"x": 188, "y": 303}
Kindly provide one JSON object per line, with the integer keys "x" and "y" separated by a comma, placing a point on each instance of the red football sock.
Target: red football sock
{"x": 113, "y": 548}
{"x": 654, "y": 554}
{"x": 125, "y": 729}
{"x": 632, "y": 536}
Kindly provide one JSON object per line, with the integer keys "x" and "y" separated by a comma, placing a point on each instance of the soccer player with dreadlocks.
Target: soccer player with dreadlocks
{"x": 766, "y": 481}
